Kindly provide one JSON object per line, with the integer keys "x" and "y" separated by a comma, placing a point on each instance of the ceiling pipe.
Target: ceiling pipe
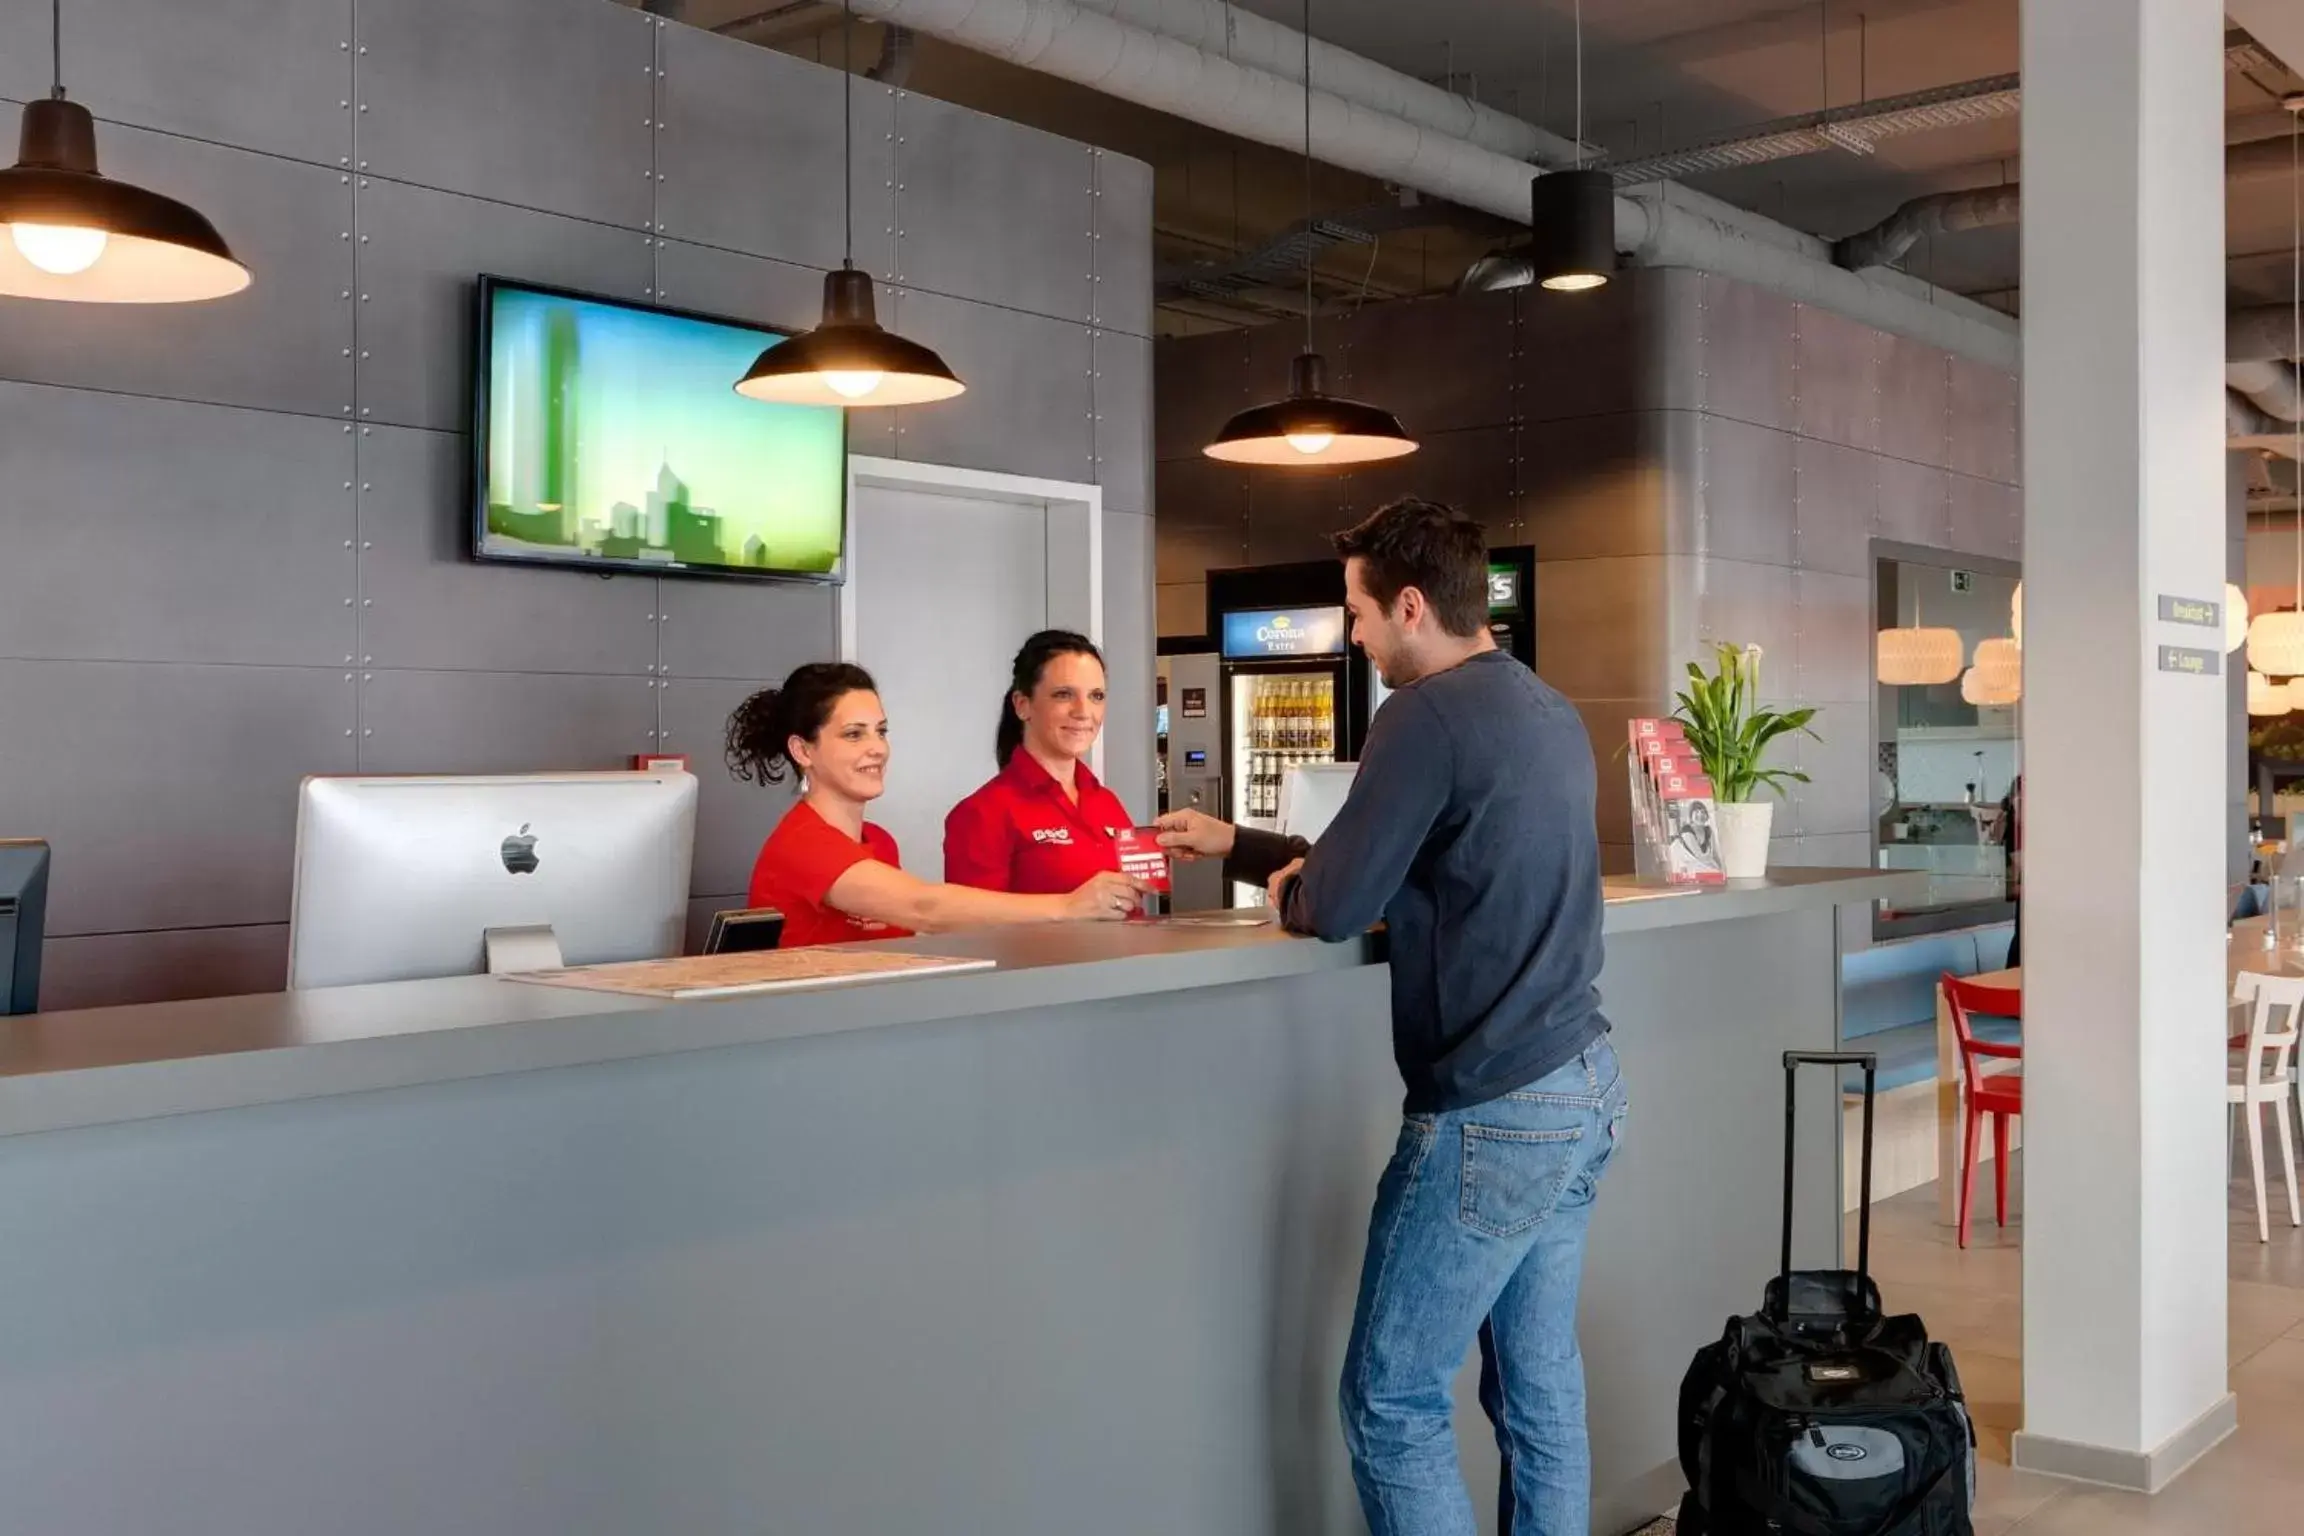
{"x": 1655, "y": 226}
{"x": 1939, "y": 213}
{"x": 1230, "y": 31}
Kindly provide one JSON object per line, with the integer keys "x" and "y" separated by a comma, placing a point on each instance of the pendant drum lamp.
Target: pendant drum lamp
{"x": 1985, "y": 693}
{"x": 1310, "y": 426}
{"x": 78, "y": 235}
{"x": 1920, "y": 658}
{"x": 2235, "y": 618}
{"x": 2276, "y": 640}
{"x": 1572, "y": 214}
{"x": 848, "y": 360}
{"x": 2000, "y": 668}
{"x": 2266, "y": 697}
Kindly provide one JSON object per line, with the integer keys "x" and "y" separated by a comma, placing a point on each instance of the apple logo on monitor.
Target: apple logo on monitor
{"x": 519, "y": 851}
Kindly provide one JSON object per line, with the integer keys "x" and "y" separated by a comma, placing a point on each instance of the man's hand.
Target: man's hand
{"x": 1278, "y": 884}
{"x": 1190, "y": 834}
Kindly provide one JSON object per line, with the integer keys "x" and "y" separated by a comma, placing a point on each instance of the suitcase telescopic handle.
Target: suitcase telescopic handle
{"x": 1793, "y": 1062}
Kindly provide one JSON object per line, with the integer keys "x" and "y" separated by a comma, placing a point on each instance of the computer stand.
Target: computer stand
{"x": 530, "y": 948}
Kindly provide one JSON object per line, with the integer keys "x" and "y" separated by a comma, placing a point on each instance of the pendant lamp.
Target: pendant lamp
{"x": 1310, "y": 426}
{"x": 848, "y": 360}
{"x": 76, "y": 234}
{"x": 2276, "y": 640}
{"x": 2000, "y": 667}
{"x": 2267, "y": 698}
{"x": 1572, "y": 214}
{"x": 1920, "y": 658}
{"x": 2235, "y": 618}
{"x": 1986, "y": 693}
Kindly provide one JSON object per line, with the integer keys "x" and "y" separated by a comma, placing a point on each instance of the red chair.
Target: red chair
{"x": 1999, "y": 1095}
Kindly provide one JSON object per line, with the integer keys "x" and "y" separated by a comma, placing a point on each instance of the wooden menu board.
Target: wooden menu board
{"x": 770, "y": 970}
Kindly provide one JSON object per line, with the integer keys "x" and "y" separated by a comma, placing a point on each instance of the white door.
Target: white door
{"x": 944, "y": 589}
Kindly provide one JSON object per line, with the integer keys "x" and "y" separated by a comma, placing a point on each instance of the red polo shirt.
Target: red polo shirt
{"x": 795, "y": 871}
{"x": 1022, "y": 833}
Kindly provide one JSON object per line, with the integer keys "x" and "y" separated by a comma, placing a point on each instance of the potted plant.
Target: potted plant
{"x": 1730, "y": 734}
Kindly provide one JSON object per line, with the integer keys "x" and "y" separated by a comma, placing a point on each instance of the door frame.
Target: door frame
{"x": 1075, "y": 584}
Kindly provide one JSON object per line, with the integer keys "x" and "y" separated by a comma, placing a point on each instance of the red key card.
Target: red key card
{"x": 1142, "y": 856}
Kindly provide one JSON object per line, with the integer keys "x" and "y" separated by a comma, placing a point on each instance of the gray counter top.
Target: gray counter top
{"x": 102, "y": 1065}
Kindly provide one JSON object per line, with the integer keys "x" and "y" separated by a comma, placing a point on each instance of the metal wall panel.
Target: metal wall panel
{"x": 1610, "y": 485}
{"x": 1187, "y": 552}
{"x": 1123, "y": 365}
{"x": 1746, "y": 368}
{"x": 1582, "y": 354}
{"x": 420, "y": 254}
{"x": 1745, "y": 491}
{"x": 1604, "y": 722}
{"x": 1440, "y": 365}
{"x": 1603, "y": 627}
{"x": 1732, "y": 602}
{"x": 536, "y": 102}
{"x": 502, "y": 722}
{"x": 1471, "y": 471}
{"x": 426, "y": 605}
{"x": 168, "y": 792}
{"x": 1832, "y": 653}
{"x": 1123, "y": 289}
{"x": 1915, "y": 504}
{"x": 1987, "y": 517}
{"x": 267, "y": 75}
{"x": 1291, "y": 513}
{"x": 153, "y": 530}
{"x": 992, "y": 211}
{"x": 1201, "y": 491}
{"x": 1181, "y": 608}
{"x": 1839, "y": 365}
{"x": 1198, "y": 382}
{"x": 283, "y": 344}
{"x": 1915, "y": 401}
{"x": 1984, "y": 407}
{"x": 116, "y": 969}
{"x": 1128, "y": 660}
{"x": 754, "y": 632}
{"x": 733, "y": 818}
{"x": 750, "y": 155}
{"x": 1841, "y": 762}
{"x": 1025, "y": 410}
{"x": 1837, "y": 494}
{"x": 779, "y": 294}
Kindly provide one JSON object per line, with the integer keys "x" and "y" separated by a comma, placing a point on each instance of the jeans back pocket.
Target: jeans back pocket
{"x": 1513, "y": 1178}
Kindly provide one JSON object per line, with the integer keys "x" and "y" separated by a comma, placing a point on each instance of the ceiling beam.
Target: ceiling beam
{"x": 2277, "y": 24}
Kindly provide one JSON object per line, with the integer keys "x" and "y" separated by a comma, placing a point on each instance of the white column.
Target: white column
{"x": 2124, "y": 1223}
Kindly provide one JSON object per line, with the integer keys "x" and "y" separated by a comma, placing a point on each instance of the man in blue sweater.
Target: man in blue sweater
{"x": 1470, "y": 833}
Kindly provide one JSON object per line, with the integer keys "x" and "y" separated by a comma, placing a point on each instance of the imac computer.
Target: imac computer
{"x": 399, "y": 879}
{"x": 1310, "y": 796}
{"x": 23, "y": 921}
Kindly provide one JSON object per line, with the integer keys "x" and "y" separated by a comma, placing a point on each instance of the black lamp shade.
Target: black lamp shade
{"x": 848, "y": 361}
{"x": 1572, "y": 215}
{"x": 119, "y": 243}
{"x": 1311, "y": 426}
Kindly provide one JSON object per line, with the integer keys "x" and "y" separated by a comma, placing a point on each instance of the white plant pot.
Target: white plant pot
{"x": 1744, "y": 838}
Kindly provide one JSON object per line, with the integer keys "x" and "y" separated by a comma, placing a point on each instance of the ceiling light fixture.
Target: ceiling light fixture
{"x": 1310, "y": 426}
{"x": 78, "y": 235}
{"x": 1572, "y": 214}
{"x": 2276, "y": 640}
{"x": 2267, "y": 698}
{"x": 848, "y": 360}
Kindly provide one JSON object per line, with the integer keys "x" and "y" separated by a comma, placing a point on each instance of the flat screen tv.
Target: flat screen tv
{"x": 609, "y": 436}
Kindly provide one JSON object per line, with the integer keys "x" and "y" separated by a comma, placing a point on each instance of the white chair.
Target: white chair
{"x": 2261, "y": 1077}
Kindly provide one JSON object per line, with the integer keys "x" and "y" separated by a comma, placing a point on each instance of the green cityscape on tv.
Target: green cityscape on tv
{"x": 617, "y": 435}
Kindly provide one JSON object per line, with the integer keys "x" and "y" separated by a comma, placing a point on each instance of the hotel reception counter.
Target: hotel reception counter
{"x": 1067, "y": 1245}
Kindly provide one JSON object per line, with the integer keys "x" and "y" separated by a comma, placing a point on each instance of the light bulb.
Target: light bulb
{"x": 851, "y": 384}
{"x": 1310, "y": 443}
{"x": 59, "y": 249}
{"x": 1576, "y": 282}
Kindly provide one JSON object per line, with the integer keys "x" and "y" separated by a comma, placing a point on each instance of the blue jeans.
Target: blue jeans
{"x": 1478, "y": 1232}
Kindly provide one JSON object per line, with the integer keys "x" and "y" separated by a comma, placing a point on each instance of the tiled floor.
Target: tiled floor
{"x": 2252, "y": 1483}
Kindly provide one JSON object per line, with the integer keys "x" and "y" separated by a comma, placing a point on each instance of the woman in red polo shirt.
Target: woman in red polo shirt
{"x": 1043, "y": 822}
{"x": 833, "y": 874}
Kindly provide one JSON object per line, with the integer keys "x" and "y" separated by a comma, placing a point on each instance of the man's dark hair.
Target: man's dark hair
{"x": 1433, "y": 548}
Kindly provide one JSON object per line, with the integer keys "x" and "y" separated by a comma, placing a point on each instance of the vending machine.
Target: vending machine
{"x": 1190, "y": 725}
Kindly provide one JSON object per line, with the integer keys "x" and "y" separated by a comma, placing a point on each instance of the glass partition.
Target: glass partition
{"x": 1948, "y": 688}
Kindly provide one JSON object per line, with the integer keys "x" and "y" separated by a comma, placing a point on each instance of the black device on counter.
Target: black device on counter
{"x": 744, "y": 931}
{"x": 23, "y": 921}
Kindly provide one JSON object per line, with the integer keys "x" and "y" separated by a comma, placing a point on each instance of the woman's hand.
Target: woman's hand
{"x": 1107, "y": 897}
{"x": 1190, "y": 834}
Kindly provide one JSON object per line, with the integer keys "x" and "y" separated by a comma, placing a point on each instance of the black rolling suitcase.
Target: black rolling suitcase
{"x": 1817, "y": 1415}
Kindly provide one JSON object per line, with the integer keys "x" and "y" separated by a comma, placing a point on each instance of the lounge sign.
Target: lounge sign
{"x": 1285, "y": 632}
